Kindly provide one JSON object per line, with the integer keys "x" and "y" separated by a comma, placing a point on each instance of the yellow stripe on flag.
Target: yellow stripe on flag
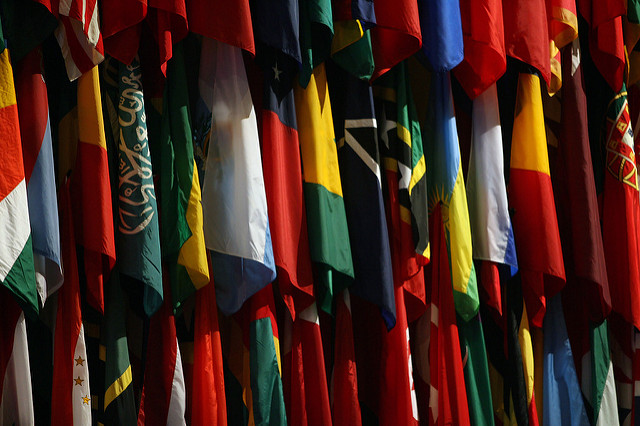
{"x": 345, "y": 34}
{"x": 315, "y": 130}
{"x": 7, "y": 90}
{"x": 459, "y": 229}
{"x": 193, "y": 253}
{"x": 117, "y": 387}
{"x": 529, "y": 144}
{"x": 90, "y": 109}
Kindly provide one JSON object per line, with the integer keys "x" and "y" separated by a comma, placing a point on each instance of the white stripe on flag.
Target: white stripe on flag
{"x": 17, "y": 402}
{"x": 177, "y": 403}
{"x": 14, "y": 227}
{"x": 81, "y": 396}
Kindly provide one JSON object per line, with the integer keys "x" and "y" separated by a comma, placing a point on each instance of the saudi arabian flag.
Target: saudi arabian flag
{"x": 138, "y": 233}
{"x": 16, "y": 252}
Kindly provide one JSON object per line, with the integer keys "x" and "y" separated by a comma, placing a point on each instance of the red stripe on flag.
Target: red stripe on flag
{"x": 10, "y": 150}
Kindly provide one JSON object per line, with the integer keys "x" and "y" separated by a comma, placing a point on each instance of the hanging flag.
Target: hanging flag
{"x": 398, "y": 403}
{"x": 447, "y": 187}
{"x": 316, "y": 34}
{"x": 484, "y": 50}
{"x": 168, "y": 24}
{"x": 208, "y": 401}
{"x": 396, "y": 35}
{"x": 91, "y": 185}
{"x": 78, "y": 34}
{"x": 491, "y": 230}
{"x": 16, "y": 267}
{"x": 438, "y": 355}
{"x": 228, "y": 22}
{"x": 606, "y": 40}
{"x": 16, "y": 403}
{"x": 563, "y": 29}
{"x": 531, "y": 197}
{"x": 117, "y": 402}
{"x": 138, "y": 232}
{"x": 327, "y": 222}
{"x": 526, "y": 34}
{"x": 121, "y": 27}
{"x": 576, "y": 200}
{"x": 178, "y": 188}
{"x": 476, "y": 371}
{"x": 37, "y": 153}
{"x": 441, "y": 27}
{"x": 281, "y": 163}
{"x": 71, "y": 394}
{"x": 621, "y": 237}
{"x": 345, "y": 405}
{"x": 304, "y": 378}
{"x": 562, "y": 400}
{"x": 252, "y": 363}
{"x": 164, "y": 397}
{"x": 359, "y": 160}
{"x": 233, "y": 186}
{"x": 351, "y": 45}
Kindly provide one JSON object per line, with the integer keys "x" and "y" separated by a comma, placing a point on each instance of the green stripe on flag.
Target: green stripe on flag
{"x": 21, "y": 281}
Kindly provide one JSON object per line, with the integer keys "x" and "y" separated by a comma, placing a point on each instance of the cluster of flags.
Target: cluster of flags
{"x": 319, "y": 212}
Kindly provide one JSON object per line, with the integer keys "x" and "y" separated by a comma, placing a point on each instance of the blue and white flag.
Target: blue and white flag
{"x": 234, "y": 203}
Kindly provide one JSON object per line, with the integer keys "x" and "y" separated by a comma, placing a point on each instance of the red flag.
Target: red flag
{"x": 70, "y": 373}
{"x": 304, "y": 376}
{"x": 90, "y": 181}
{"x": 225, "y": 21}
{"x": 344, "y": 378}
{"x": 526, "y": 33}
{"x": 606, "y": 42}
{"x": 485, "y": 58}
{"x": 447, "y": 396}
{"x": 168, "y": 22}
{"x": 396, "y": 35}
{"x": 621, "y": 212}
{"x": 398, "y": 403}
{"x": 535, "y": 225}
{"x": 163, "y": 398}
{"x": 208, "y": 401}
{"x": 121, "y": 27}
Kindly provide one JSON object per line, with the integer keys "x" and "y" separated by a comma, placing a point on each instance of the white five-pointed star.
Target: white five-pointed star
{"x": 276, "y": 72}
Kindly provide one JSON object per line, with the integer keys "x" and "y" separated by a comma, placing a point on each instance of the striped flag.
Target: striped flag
{"x": 236, "y": 225}
{"x": 491, "y": 230}
{"x": 16, "y": 253}
{"x": 78, "y": 34}
{"x": 71, "y": 396}
{"x": 251, "y": 346}
{"x": 326, "y": 216}
{"x": 163, "y": 400}
{"x": 563, "y": 29}
{"x": 531, "y": 197}
{"x": 117, "y": 400}
{"x": 37, "y": 150}
{"x": 208, "y": 400}
{"x": 16, "y": 403}
{"x": 91, "y": 184}
{"x": 446, "y": 185}
{"x": 351, "y": 45}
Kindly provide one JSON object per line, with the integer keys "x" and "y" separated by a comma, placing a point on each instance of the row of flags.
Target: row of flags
{"x": 318, "y": 212}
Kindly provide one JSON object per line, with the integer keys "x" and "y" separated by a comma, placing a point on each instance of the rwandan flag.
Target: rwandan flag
{"x": 171, "y": 139}
{"x": 33, "y": 110}
{"x": 16, "y": 252}
{"x": 139, "y": 236}
{"x": 327, "y": 221}
{"x": 234, "y": 203}
{"x": 447, "y": 187}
